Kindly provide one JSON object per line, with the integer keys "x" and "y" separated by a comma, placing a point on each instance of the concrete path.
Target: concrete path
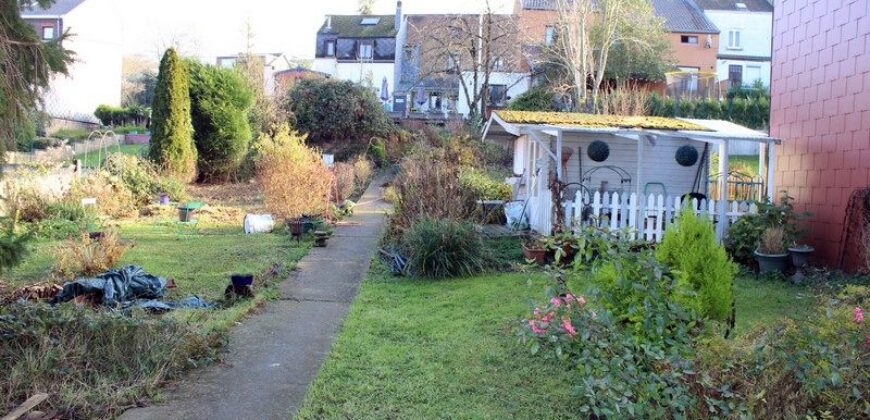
{"x": 275, "y": 354}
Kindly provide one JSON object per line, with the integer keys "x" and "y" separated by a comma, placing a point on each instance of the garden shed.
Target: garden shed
{"x": 626, "y": 168}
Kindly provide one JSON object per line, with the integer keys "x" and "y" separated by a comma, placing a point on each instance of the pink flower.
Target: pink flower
{"x": 579, "y": 299}
{"x": 548, "y": 317}
{"x": 555, "y": 301}
{"x": 566, "y": 325}
{"x": 535, "y": 328}
{"x": 859, "y": 315}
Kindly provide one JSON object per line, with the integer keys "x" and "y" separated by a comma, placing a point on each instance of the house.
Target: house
{"x": 359, "y": 48}
{"x": 285, "y": 79}
{"x": 820, "y": 107}
{"x": 272, "y": 63}
{"x": 96, "y": 38}
{"x": 639, "y": 168}
{"x": 436, "y": 70}
{"x": 744, "y": 51}
{"x": 693, "y": 38}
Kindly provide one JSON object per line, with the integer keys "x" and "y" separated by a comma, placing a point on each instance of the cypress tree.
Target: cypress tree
{"x": 172, "y": 145}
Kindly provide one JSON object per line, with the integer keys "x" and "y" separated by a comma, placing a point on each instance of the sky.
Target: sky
{"x": 210, "y": 28}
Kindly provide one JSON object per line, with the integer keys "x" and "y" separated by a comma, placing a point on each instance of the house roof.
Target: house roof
{"x": 683, "y": 16}
{"x": 59, "y": 8}
{"x": 539, "y": 4}
{"x": 750, "y": 5}
{"x": 573, "y": 119}
{"x": 350, "y": 26}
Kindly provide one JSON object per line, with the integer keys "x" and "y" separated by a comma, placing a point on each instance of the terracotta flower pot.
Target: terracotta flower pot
{"x": 538, "y": 255}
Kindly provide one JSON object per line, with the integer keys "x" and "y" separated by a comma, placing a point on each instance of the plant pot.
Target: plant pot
{"x": 185, "y": 214}
{"x": 800, "y": 255}
{"x": 240, "y": 280}
{"x": 163, "y": 199}
{"x": 771, "y": 263}
{"x": 296, "y": 227}
{"x": 96, "y": 235}
{"x": 538, "y": 255}
{"x": 320, "y": 238}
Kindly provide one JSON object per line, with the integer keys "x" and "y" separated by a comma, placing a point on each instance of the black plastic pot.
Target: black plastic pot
{"x": 96, "y": 235}
{"x": 800, "y": 255}
{"x": 772, "y": 263}
{"x": 184, "y": 214}
{"x": 240, "y": 280}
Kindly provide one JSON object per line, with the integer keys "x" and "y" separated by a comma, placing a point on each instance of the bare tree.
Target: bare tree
{"x": 588, "y": 32}
{"x": 467, "y": 49}
{"x": 366, "y": 7}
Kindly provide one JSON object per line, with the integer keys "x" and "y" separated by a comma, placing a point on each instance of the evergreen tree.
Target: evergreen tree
{"x": 27, "y": 64}
{"x": 219, "y": 100}
{"x": 172, "y": 146}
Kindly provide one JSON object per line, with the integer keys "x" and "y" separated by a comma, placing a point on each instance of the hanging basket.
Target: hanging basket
{"x": 686, "y": 155}
{"x": 598, "y": 151}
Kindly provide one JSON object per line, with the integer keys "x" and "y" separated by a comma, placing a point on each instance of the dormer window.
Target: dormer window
{"x": 366, "y": 50}
{"x": 369, "y": 21}
{"x": 47, "y": 33}
{"x": 330, "y": 48}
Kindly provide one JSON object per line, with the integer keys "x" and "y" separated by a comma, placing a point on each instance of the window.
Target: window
{"x": 330, "y": 48}
{"x": 47, "y": 32}
{"x": 497, "y": 95}
{"x": 549, "y": 35}
{"x": 734, "y": 39}
{"x": 498, "y": 64}
{"x": 735, "y": 75}
{"x": 752, "y": 74}
{"x": 365, "y": 50}
{"x": 689, "y": 39}
{"x": 451, "y": 63}
{"x": 368, "y": 21}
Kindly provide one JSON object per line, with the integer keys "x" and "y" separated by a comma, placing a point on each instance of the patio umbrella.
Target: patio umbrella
{"x": 385, "y": 90}
{"x": 421, "y": 96}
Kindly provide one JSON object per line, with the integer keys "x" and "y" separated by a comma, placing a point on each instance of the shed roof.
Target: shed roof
{"x": 351, "y": 26}
{"x": 59, "y": 8}
{"x": 683, "y": 16}
{"x": 516, "y": 123}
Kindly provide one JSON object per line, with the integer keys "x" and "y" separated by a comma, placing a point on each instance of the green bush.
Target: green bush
{"x": 438, "y": 248}
{"x": 689, "y": 248}
{"x": 172, "y": 146}
{"x": 484, "y": 186}
{"x": 534, "y": 99}
{"x": 73, "y": 134}
{"x": 337, "y": 110}
{"x": 744, "y": 235}
{"x": 220, "y": 99}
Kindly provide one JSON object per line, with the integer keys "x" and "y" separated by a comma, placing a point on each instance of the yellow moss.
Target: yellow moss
{"x": 593, "y": 120}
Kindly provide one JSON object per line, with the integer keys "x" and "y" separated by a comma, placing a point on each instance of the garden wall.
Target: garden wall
{"x": 820, "y": 107}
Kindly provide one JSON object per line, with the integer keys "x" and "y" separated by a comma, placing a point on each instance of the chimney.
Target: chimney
{"x": 328, "y": 23}
{"x": 398, "y": 15}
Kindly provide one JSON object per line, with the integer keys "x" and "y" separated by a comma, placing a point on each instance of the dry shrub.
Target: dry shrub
{"x": 87, "y": 257}
{"x": 428, "y": 185}
{"x": 113, "y": 197}
{"x": 772, "y": 241}
{"x": 344, "y": 181}
{"x": 362, "y": 171}
{"x": 626, "y": 98}
{"x": 292, "y": 175}
{"x": 25, "y": 204}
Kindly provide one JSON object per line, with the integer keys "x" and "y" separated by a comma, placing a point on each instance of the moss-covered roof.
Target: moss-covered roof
{"x": 350, "y": 26}
{"x": 596, "y": 121}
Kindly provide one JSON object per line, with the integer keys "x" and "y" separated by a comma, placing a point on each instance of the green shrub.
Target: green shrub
{"x": 689, "y": 248}
{"x": 172, "y": 145}
{"x": 438, "y": 248}
{"x": 72, "y": 134}
{"x": 534, "y": 99}
{"x": 220, "y": 99}
{"x": 13, "y": 249}
{"x": 337, "y": 110}
{"x": 484, "y": 186}
{"x": 744, "y": 235}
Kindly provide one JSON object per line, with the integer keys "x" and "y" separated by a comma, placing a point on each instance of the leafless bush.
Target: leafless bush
{"x": 362, "y": 171}
{"x": 344, "y": 182}
{"x": 87, "y": 256}
{"x": 293, "y": 177}
{"x": 626, "y": 98}
{"x": 114, "y": 199}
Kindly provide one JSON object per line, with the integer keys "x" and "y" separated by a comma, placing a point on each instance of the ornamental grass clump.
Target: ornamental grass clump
{"x": 689, "y": 248}
{"x": 438, "y": 248}
{"x": 86, "y": 256}
{"x": 293, "y": 177}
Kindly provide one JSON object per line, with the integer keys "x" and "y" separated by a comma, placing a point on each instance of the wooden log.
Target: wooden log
{"x": 28, "y": 405}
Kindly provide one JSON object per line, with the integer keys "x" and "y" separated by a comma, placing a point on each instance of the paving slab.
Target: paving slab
{"x": 276, "y": 353}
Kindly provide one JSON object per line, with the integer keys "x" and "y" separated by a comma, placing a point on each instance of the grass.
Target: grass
{"x": 747, "y": 164}
{"x": 95, "y": 158}
{"x": 447, "y": 349}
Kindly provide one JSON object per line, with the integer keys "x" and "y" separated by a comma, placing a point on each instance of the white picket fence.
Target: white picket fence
{"x": 645, "y": 218}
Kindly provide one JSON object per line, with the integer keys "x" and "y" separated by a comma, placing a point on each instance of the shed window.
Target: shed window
{"x": 47, "y": 32}
{"x": 497, "y": 95}
{"x": 689, "y": 39}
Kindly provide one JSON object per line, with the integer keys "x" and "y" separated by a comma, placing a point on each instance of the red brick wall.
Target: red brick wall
{"x": 820, "y": 107}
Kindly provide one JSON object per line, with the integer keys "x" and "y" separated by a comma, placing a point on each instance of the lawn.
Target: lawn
{"x": 448, "y": 349}
{"x": 94, "y": 158}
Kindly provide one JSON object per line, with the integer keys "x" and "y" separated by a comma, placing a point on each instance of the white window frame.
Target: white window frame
{"x": 734, "y": 39}
{"x": 330, "y": 48}
{"x": 549, "y": 35}
{"x": 689, "y": 39}
{"x": 366, "y": 46}
{"x": 51, "y": 31}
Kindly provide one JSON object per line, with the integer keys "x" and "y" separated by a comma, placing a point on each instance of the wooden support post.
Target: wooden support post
{"x": 722, "y": 224}
{"x": 771, "y": 171}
